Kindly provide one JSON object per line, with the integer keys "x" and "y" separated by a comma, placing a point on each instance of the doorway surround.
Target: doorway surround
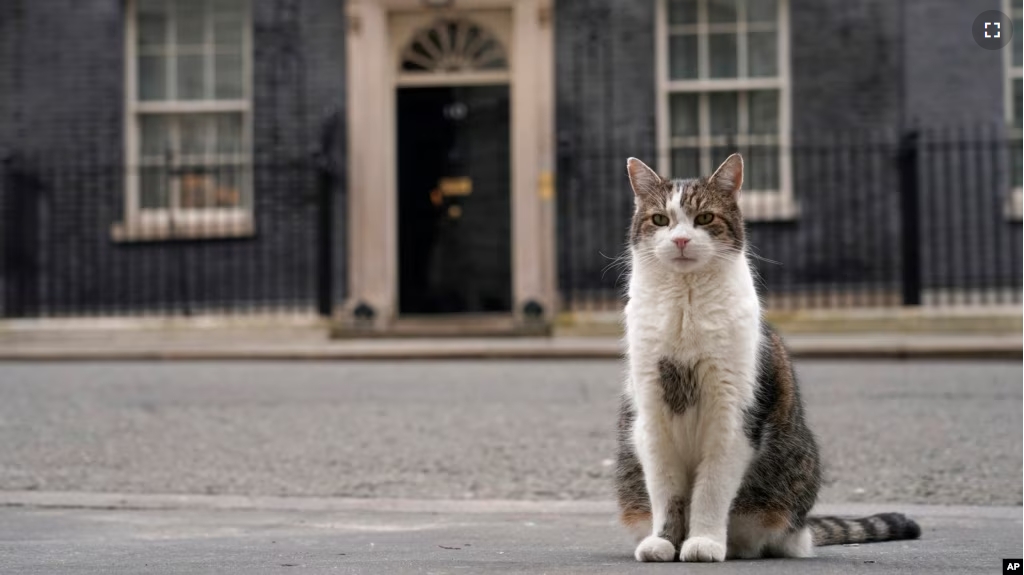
{"x": 373, "y": 69}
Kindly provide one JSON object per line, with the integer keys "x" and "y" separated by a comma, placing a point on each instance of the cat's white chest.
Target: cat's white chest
{"x": 688, "y": 329}
{"x": 710, "y": 328}
{"x": 694, "y": 322}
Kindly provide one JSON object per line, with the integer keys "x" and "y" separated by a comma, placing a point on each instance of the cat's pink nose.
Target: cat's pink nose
{"x": 681, "y": 242}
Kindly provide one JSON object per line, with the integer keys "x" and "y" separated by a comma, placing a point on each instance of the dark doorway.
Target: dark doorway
{"x": 454, "y": 215}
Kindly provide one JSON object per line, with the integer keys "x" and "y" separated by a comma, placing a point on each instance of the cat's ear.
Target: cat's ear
{"x": 643, "y": 179}
{"x": 729, "y": 176}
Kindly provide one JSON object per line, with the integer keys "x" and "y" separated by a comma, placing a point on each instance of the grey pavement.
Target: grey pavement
{"x": 455, "y": 467}
{"x": 492, "y": 537}
{"x": 891, "y": 431}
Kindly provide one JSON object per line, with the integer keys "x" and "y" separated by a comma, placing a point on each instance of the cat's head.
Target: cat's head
{"x": 684, "y": 225}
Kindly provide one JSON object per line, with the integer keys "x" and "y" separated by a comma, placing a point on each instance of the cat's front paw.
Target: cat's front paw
{"x": 655, "y": 549}
{"x": 702, "y": 549}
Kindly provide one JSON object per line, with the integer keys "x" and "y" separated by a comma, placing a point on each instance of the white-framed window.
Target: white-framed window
{"x": 723, "y": 79}
{"x": 1014, "y": 74}
{"x": 188, "y": 119}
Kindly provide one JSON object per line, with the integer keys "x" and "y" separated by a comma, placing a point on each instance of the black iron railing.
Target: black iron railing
{"x": 875, "y": 219}
{"x": 928, "y": 217}
{"x": 93, "y": 238}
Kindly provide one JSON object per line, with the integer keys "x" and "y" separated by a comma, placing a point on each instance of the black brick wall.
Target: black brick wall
{"x": 62, "y": 130}
{"x": 861, "y": 71}
{"x": 605, "y": 95}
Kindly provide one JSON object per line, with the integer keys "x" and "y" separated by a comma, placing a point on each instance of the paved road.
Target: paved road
{"x": 924, "y": 432}
{"x": 534, "y": 538}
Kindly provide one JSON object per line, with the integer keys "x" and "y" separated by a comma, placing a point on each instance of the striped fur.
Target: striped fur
{"x": 843, "y": 530}
{"x": 716, "y": 459}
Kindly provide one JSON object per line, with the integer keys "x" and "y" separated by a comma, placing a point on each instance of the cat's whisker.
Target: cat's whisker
{"x": 752, "y": 252}
{"x": 622, "y": 260}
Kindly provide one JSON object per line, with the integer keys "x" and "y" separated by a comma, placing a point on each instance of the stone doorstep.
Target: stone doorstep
{"x": 452, "y": 326}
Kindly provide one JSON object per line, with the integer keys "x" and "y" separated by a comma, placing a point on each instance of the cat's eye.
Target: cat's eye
{"x": 704, "y": 219}
{"x": 660, "y": 219}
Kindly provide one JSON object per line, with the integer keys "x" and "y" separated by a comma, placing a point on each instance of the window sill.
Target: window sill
{"x": 163, "y": 230}
{"x": 768, "y": 207}
{"x": 1015, "y": 205}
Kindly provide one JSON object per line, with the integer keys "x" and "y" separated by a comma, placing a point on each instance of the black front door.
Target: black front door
{"x": 454, "y": 219}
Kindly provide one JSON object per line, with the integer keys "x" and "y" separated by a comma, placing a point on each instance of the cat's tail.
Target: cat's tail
{"x": 881, "y": 527}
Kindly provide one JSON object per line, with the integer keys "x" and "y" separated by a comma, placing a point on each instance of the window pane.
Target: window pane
{"x": 190, "y": 22}
{"x": 229, "y": 133}
{"x": 723, "y": 55}
{"x": 228, "y": 190}
{"x": 1018, "y": 41}
{"x": 152, "y": 78}
{"x": 763, "y": 107}
{"x": 761, "y": 11}
{"x": 196, "y": 189}
{"x": 724, "y": 114}
{"x": 684, "y": 114}
{"x": 228, "y": 74}
{"x": 152, "y": 17}
{"x": 152, "y": 188}
{"x": 762, "y": 168}
{"x": 196, "y": 133}
{"x": 227, "y": 24}
{"x": 682, "y": 56}
{"x": 155, "y": 139}
{"x": 682, "y": 12}
{"x": 762, "y": 49}
{"x": 719, "y": 154}
{"x": 686, "y": 163}
{"x": 722, "y": 11}
{"x": 190, "y": 78}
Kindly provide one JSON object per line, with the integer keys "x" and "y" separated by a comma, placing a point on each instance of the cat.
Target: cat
{"x": 715, "y": 457}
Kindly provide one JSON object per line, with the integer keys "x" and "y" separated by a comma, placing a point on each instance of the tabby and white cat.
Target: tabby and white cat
{"x": 715, "y": 457}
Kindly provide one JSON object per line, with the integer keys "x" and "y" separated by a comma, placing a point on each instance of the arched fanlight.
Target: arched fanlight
{"x": 453, "y": 45}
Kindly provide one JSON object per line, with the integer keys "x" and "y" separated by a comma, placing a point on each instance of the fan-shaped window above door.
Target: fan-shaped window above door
{"x": 453, "y": 45}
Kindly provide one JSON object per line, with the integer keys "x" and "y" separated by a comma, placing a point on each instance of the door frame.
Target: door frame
{"x": 372, "y": 166}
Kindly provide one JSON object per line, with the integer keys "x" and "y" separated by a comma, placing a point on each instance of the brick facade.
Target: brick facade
{"x": 864, "y": 67}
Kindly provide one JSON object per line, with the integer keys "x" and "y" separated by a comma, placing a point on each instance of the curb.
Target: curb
{"x": 191, "y": 502}
{"x": 832, "y": 346}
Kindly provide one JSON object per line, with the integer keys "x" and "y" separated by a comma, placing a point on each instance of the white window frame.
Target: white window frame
{"x": 1015, "y": 205}
{"x": 174, "y": 222}
{"x": 756, "y": 205}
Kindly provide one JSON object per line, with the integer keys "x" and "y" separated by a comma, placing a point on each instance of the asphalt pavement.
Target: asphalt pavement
{"x": 455, "y": 467}
{"x": 486, "y": 537}
{"x": 909, "y": 432}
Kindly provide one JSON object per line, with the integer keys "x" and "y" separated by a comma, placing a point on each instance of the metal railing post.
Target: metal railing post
{"x": 910, "y": 219}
